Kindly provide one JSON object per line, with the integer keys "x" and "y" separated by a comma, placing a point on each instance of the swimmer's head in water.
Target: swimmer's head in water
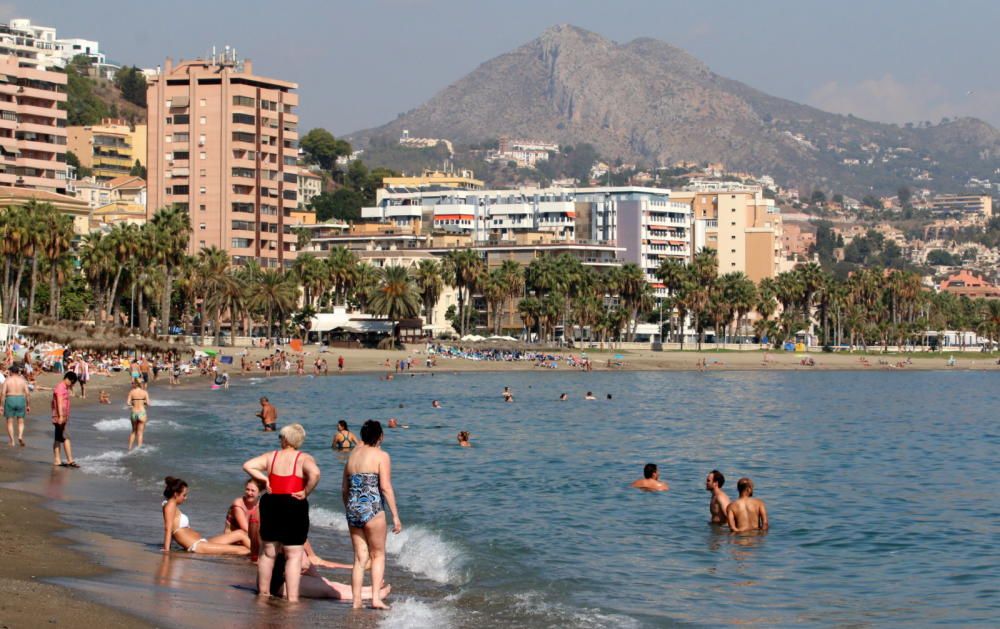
{"x": 371, "y": 432}
{"x": 715, "y": 477}
{"x": 173, "y": 486}
{"x": 341, "y": 425}
{"x": 609, "y": 396}
{"x": 745, "y": 486}
{"x": 463, "y": 436}
{"x": 649, "y": 470}
{"x": 293, "y": 434}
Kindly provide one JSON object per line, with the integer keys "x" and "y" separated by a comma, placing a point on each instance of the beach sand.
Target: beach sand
{"x": 31, "y": 548}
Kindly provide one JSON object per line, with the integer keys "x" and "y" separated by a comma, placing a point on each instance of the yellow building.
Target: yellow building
{"x": 126, "y": 203}
{"x": 463, "y": 180}
{"x": 110, "y": 149}
{"x": 742, "y": 226}
{"x": 11, "y": 196}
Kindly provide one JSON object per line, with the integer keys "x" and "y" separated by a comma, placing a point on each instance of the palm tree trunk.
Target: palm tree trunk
{"x": 31, "y": 291}
{"x": 5, "y": 292}
{"x": 218, "y": 326}
{"x": 168, "y": 281}
{"x": 53, "y": 307}
{"x": 16, "y": 295}
{"x": 112, "y": 301}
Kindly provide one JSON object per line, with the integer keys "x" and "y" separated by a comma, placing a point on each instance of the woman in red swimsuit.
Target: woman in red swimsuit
{"x": 290, "y": 477}
{"x": 244, "y": 515}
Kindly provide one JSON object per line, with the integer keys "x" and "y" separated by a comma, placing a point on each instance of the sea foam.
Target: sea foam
{"x": 558, "y": 615}
{"x": 419, "y": 550}
{"x": 111, "y": 463}
{"x": 410, "y": 613}
{"x": 125, "y": 424}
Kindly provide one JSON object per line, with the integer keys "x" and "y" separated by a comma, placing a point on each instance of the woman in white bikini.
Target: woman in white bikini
{"x": 177, "y": 527}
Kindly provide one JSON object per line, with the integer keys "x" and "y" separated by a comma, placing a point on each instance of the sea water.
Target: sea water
{"x": 878, "y": 486}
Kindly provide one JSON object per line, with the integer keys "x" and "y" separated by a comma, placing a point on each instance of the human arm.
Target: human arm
{"x": 731, "y": 519}
{"x": 257, "y": 468}
{"x": 169, "y": 511}
{"x": 239, "y": 513}
{"x": 345, "y": 485}
{"x": 385, "y": 485}
{"x": 762, "y": 517}
{"x": 310, "y": 471}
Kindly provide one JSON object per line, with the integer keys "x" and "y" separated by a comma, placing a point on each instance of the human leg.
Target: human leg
{"x": 132, "y": 434}
{"x": 360, "y": 559}
{"x": 232, "y": 538}
{"x": 293, "y": 572}
{"x": 375, "y": 532}
{"x": 265, "y": 564}
{"x": 211, "y": 548}
{"x": 10, "y": 430}
{"x": 139, "y": 431}
{"x": 20, "y": 430}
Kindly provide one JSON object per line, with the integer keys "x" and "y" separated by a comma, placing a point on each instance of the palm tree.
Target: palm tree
{"x": 811, "y": 280}
{"x": 678, "y": 279}
{"x": 632, "y": 284}
{"x": 311, "y": 275}
{"x": 396, "y": 297}
{"x": 741, "y": 294}
{"x": 273, "y": 293}
{"x": 430, "y": 284}
{"x": 463, "y": 270}
{"x": 171, "y": 231}
{"x": 341, "y": 268}
{"x": 366, "y": 280}
{"x": 529, "y": 309}
{"x": 513, "y": 278}
{"x": 495, "y": 293}
{"x": 59, "y": 236}
{"x": 704, "y": 270}
{"x": 212, "y": 279}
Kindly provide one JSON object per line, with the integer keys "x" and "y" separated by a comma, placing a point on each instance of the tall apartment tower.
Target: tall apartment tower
{"x": 223, "y": 144}
{"x": 32, "y": 127}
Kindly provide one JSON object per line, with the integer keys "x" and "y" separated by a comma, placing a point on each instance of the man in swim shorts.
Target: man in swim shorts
{"x": 717, "y": 505}
{"x": 268, "y": 415}
{"x": 14, "y": 397}
{"x": 650, "y": 480}
{"x": 746, "y": 513}
{"x": 60, "y": 420}
{"x": 138, "y": 402}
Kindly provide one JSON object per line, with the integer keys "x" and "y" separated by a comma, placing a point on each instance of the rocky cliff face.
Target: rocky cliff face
{"x": 650, "y": 101}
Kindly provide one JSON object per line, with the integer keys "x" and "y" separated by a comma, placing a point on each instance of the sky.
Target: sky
{"x": 359, "y": 63}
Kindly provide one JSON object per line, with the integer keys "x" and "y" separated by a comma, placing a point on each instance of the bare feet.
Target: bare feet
{"x": 20, "y": 441}
{"x": 380, "y": 605}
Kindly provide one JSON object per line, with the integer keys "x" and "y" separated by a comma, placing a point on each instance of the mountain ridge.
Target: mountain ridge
{"x": 650, "y": 101}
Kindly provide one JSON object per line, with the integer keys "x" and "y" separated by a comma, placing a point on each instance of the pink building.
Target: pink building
{"x": 223, "y": 143}
{"x": 32, "y": 127}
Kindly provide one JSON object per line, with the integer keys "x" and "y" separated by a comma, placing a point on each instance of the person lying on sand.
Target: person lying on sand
{"x": 313, "y": 584}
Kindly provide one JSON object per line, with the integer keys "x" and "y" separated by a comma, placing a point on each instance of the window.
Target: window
{"x": 242, "y": 243}
{"x": 203, "y": 190}
{"x": 182, "y": 119}
{"x": 243, "y": 172}
{"x": 732, "y": 251}
{"x": 289, "y": 160}
{"x": 291, "y": 178}
{"x": 170, "y": 120}
{"x": 243, "y": 208}
{"x": 201, "y": 243}
{"x": 243, "y": 101}
{"x": 201, "y": 207}
{"x": 202, "y": 226}
{"x": 733, "y": 223}
{"x": 202, "y": 172}
{"x": 291, "y": 195}
{"x": 181, "y": 155}
{"x": 202, "y": 155}
{"x": 239, "y": 136}
{"x": 169, "y": 139}
{"x": 202, "y": 120}
{"x": 202, "y": 102}
{"x": 733, "y": 237}
{"x": 201, "y": 140}
{"x": 243, "y": 119}
{"x": 243, "y": 226}
{"x": 181, "y": 137}
{"x": 181, "y": 189}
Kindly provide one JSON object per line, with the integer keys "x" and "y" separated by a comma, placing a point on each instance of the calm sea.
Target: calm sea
{"x": 878, "y": 487}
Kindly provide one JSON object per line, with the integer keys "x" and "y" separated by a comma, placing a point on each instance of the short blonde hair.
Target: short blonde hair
{"x": 293, "y": 435}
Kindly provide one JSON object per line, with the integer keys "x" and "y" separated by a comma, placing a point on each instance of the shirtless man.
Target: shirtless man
{"x": 14, "y": 398}
{"x": 268, "y": 415}
{"x": 138, "y": 402}
{"x": 717, "y": 505}
{"x": 746, "y": 513}
{"x": 650, "y": 480}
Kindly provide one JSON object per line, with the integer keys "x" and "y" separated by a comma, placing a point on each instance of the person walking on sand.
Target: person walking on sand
{"x": 138, "y": 402}
{"x": 366, "y": 486}
{"x": 60, "y": 421}
{"x": 720, "y": 501}
{"x": 340, "y": 363}
{"x": 650, "y": 480}
{"x": 746, "y": 513}
{"x": 284, "y": 511}
{"x": 16, "y": 401}
{"x": 268, "y": 415}
{"x": 82, "y": 370}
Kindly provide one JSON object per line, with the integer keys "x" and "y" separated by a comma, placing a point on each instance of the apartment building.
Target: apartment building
{"x": 39, "y": 47}
{"x": 976, "y": 207}
{"x": 223, "y": 144}
{"x": 32, "y": 127}
{"x": 109, "y": 149}
{"x": 126, "y": 203}
{"x": 743, "y": 227}
{"x": 310, "y": 185}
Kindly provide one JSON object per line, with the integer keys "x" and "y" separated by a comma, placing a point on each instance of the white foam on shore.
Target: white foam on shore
{"x": 327, "y": 519}
{"x": 558, "y": 615}
{"x": 410, "y": 613}
{"x": 124, "y": 424}
{"x": 111, "y": 463}
{"x": 165, "y": 402}
{"x": 427, "y": 554}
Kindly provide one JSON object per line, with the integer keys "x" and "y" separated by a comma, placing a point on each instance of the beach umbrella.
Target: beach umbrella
{"x": 210, "y": 352}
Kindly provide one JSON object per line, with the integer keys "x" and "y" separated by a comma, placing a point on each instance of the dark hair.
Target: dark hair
{"x": 71, "y": 376}
{"x": 261, "y": 485}
{"x": 744, "y": 484}
{"x": 649, "y": 470}
{"x": 172, "y": 486}
{"x": 609, "y": 396}
{"x": 342, "y": 424}
{"x": 15, "y": 368}
{"x": 371, "y": 432}
{"x": 718, "y": 477}
{"x": 263, "y": 399}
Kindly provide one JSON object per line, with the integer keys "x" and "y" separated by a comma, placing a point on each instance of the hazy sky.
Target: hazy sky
{"x": 360, "y": 62}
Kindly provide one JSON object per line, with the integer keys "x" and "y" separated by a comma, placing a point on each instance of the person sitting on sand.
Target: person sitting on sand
{"x": 344, "y": 439}
{"x": 746, "y": 513}
{"x": 717, "y": 505}
{"x": 244, "y": 515}
{"x": 463, "y": 439}
{"x": 435, "y": 404}
{"x": 589, "y": 396}
{"x": 177, "y": 527}
{"x": 650, "y": 480}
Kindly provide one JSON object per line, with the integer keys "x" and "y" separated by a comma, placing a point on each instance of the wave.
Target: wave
{"x": 419, "y": 550}
{"x": 125, "y": 424}
{"x": 111, "y": 463}
{"x": 410, "y": 613}
{"x": 165, "y": 402}
{"x": 558, "y": 615}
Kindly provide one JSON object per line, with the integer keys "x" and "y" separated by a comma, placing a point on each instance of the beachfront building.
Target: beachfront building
{"x": 32, "y": 127}
{"x": 976, "y": 208}
{"x": 223, "y": 144}
{"x": 79, "y": 211}
{"x": 967, "y": 284}
{"x": 109, "y": 149}
{"x": 743, "y": 227}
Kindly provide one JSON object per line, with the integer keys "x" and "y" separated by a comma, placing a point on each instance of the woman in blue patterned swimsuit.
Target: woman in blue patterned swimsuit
{"x": 366, "y": 486}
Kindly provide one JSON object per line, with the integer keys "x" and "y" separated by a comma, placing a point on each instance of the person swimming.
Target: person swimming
{"x": 563, "y": 397}
{"x": 435, "y": 404}
{"x": 177, "y": 527}
{"x": 463, "y": 439}
{"x": 507, "y": 395}
{"x": 344, "y": 439}
{"x": 589, "y": 396}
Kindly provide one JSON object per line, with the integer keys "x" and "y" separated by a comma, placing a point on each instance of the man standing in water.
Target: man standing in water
{"x": 60, "y": 420}
{"x": 14, "y": 397}
{"x": 650, "y": 480}
{"x": 268, "y": 415}
{"x": 717, "y": 505}
{"x": 138, "y": 401}
{"x": 746, "y": 513}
